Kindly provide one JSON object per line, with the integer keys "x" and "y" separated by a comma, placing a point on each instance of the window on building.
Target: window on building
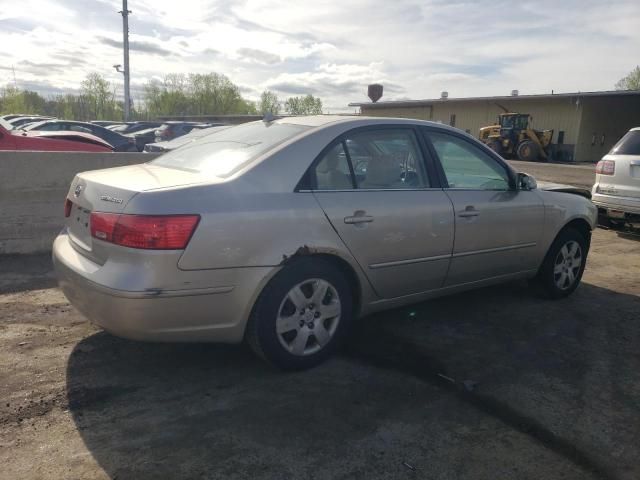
{"x": 452, "y": 120}
{"x": 561, "y": 137}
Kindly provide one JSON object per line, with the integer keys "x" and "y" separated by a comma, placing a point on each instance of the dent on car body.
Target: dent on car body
{"x": 558, "y": 187}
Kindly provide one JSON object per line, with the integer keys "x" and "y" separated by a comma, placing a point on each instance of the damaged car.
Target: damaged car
{"x": 280, "y": 233}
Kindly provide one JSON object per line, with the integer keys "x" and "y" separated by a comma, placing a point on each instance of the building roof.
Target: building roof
{"x": 544, "y": 96}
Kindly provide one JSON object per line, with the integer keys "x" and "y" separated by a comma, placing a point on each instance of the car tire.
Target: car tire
{"x": 561, "y": 271}
{"x": 528, "y": 151}
{"x": 616, "y": 224}
{"x": 293, "y": 325}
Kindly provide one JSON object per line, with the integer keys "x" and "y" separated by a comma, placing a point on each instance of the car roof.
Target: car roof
{"x": 320, "y": 121}
{"x": 28, "y": 116}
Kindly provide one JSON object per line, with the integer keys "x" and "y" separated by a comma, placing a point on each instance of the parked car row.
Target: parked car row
{"x": 61, "y": 141}
{"x": 107, "y": 135}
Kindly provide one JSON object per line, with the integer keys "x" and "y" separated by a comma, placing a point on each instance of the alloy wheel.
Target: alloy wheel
{"x": 567, "y": 265}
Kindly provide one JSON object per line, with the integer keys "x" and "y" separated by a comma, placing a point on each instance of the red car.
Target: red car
{"x": 50, "y": 141}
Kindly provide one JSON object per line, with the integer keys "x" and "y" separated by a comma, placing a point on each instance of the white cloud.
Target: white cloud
{"x": 332, "y": 49}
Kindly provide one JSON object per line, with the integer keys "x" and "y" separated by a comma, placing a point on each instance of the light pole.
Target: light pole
{"x": 125, "y": 44}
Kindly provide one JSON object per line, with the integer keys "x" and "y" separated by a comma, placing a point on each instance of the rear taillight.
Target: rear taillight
{"x": 67, "y": 208}
{"x": 606, "y": 167}
{"x": 155, "y": 232}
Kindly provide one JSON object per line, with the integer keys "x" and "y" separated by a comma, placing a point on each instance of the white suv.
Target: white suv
{"x": 616, "y": 192}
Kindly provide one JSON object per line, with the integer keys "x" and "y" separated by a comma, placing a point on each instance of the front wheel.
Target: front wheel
{"x": 564, "y": 264}
{"x": 528, "y": 151}
{"x": 302, "y": 315}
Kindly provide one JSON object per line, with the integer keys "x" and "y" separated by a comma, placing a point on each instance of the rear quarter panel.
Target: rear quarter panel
{"x": 244, "y": 229}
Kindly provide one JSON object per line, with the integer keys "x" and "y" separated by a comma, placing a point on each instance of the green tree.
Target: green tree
{"x": 307, "y": 105}
{"x": 631, "y": 81}
{"x": 214, "y": 93}
{"x": 14, "y": 100}
{"x": 195, "y": 94}
{"x": 98, "y": 99}
{"x": 269, "y": 102}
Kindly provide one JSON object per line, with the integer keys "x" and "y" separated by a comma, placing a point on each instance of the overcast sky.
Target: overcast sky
{"x": 332, "y": 49}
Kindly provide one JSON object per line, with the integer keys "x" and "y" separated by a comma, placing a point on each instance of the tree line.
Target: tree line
{"x": 174, "y": 95}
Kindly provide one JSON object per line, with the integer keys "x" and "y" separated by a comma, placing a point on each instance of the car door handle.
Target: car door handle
{"x": 359, "y": 216}
{"x": 470, "y": 211}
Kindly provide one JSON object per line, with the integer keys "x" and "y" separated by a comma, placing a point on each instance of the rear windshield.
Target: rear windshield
{"x": 225, "y": 152}
{"x": 6, "y": 124}
{"x": 628, "y": 145}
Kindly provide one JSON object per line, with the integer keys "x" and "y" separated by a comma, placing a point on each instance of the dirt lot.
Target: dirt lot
{"x": 555, "y": 392}
{"x": 490, "y": 384}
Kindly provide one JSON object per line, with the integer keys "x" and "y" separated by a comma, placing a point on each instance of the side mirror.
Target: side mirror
{"x": 526, "y": 182}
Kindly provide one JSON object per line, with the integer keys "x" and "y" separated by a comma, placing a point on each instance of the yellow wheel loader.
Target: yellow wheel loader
{"x": 512, "y": 137}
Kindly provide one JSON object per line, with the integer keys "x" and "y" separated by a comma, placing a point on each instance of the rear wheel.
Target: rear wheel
{"x": 528, "y": 151}
{"x": 564, "y": 264}
{"x": 301, "y": 316}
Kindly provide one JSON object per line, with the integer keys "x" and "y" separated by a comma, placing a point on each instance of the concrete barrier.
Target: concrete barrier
{"x": 33, "y": 186}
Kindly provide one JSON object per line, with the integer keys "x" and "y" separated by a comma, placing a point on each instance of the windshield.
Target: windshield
{"x": 225, "y": 152}
{"x": 5, "y": 124}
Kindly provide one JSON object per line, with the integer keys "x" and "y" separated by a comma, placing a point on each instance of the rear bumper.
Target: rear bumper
{"x": 623, "y": 204}
{"x": 215, "y": 313}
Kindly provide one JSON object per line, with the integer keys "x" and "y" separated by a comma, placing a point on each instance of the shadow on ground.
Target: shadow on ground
{"x": 488, "y": 384}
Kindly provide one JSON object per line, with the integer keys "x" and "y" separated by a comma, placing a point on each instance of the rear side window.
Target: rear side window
{"x": 224, "y": 152}
{"x": 332, "y": 172}
{"x": 628, "y": 145}
{"x": 386, "y": 159}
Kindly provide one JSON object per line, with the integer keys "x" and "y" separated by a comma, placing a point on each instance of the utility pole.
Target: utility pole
{"x": 125, "y": 44}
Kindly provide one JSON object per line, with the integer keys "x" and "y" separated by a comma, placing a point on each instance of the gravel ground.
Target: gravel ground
{"x": 495, "y": 383}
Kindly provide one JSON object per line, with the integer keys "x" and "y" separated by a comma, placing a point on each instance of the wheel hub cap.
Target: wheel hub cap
{"x": 308, "y": 316}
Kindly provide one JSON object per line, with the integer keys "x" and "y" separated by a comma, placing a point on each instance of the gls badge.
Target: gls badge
{"x": 108, "y": 198}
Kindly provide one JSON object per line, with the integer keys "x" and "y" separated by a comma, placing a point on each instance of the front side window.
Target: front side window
{"x": 386, "y": 159}
{"x": 466, "y": 166}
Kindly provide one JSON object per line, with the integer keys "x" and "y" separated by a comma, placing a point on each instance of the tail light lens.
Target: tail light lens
{"x": 67, "y": 208}
{"x": 153, "y": 232}
{"x": 606, "y": 167}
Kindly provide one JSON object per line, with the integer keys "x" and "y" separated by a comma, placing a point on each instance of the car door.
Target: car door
{"x": 497, "y": 226}
{"x": 391, "y": 215}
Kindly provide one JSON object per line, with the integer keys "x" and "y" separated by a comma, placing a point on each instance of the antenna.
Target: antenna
{"x": 15, "y": 83}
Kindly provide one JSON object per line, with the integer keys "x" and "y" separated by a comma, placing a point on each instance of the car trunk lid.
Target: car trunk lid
{"x": 109, "y": 191}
